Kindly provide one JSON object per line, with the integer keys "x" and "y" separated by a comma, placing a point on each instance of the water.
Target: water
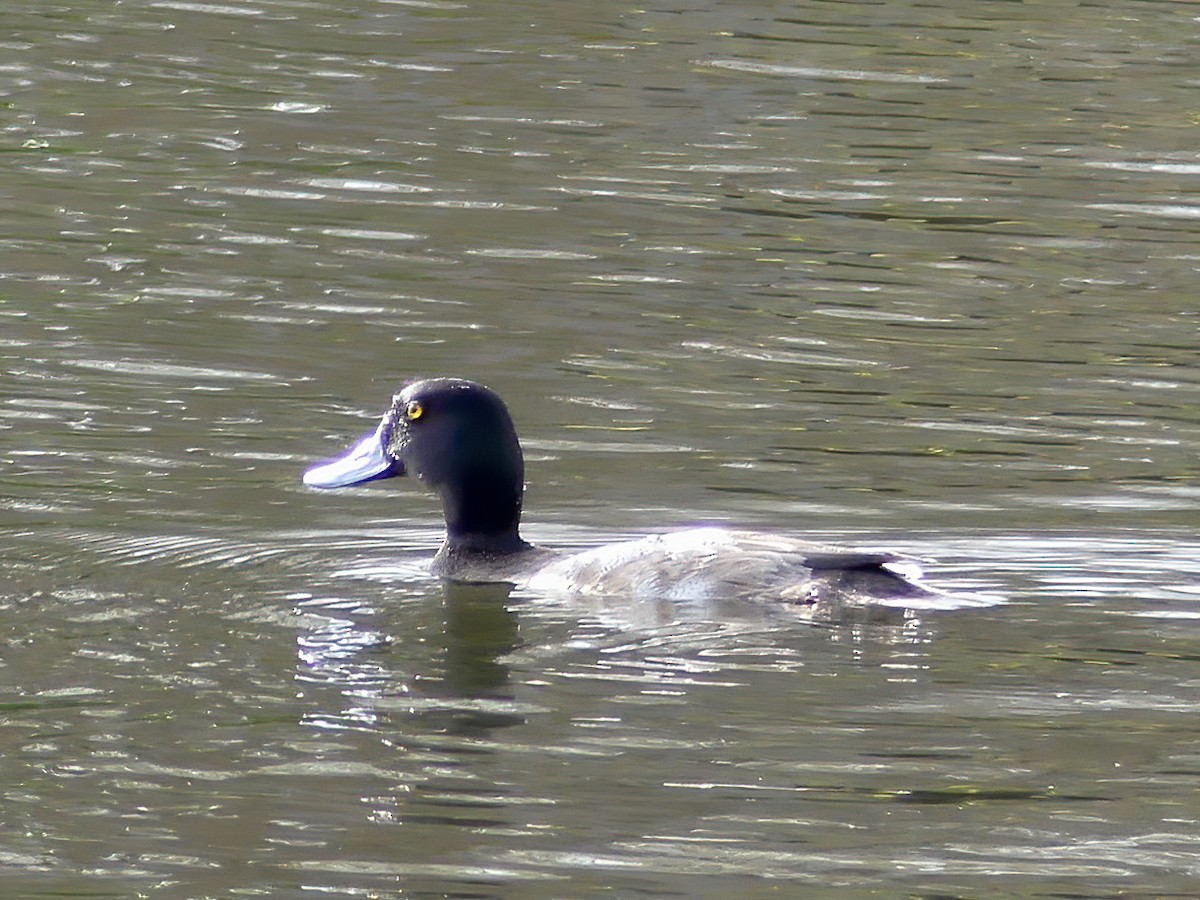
{"x": 903, "y": 274}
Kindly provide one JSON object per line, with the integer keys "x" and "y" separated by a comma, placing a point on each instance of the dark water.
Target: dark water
{"x": 919, "y": 275}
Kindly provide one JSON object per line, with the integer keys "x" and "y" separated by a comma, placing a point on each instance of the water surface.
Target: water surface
{"x": 894, "y": 274}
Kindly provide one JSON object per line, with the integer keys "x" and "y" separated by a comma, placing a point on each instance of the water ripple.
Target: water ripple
{"x": 820, "y": 73}
{"x": 168, "y": 370}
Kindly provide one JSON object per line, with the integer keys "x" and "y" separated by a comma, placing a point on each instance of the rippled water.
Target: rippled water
{"x": 918, "y": 275}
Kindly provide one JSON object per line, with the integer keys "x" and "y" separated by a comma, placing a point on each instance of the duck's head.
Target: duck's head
{"x": 458, "y": 438}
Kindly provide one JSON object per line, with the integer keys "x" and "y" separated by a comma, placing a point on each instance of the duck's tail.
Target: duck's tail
{"x": 883, "y": 580}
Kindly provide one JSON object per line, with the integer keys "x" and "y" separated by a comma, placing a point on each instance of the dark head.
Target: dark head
{"x": 457, "y": 437}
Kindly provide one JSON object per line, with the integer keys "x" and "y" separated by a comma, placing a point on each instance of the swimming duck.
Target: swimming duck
{"x": 458, "y": 438}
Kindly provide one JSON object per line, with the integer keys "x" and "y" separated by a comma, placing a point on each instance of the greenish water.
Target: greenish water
{"x": 903, "y": 274}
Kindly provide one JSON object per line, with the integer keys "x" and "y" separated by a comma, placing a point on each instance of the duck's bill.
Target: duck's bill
{"x": 366, "y": 460}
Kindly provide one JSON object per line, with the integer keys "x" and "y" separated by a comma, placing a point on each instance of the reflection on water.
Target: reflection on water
{"x": 480, "y": 629}
{"x": 907, "y": 274}
{"x": 518, "y": 736}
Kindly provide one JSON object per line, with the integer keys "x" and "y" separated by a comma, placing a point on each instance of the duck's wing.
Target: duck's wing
{"x": 709, "y": 564}
{"x": 722, "y": 564}
{"x": 810, "y": 573}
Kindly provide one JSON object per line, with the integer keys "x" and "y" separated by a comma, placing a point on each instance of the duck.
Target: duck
{"x": 458, "y": 438}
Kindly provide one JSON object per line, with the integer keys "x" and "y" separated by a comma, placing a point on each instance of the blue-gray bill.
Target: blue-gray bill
{"x": 366, "y": 460}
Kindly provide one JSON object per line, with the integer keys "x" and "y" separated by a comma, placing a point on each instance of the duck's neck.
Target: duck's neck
{"x": 483, "y": 515}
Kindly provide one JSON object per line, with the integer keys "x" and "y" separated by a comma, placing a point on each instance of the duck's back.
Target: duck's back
{"x": 717, "y": 563}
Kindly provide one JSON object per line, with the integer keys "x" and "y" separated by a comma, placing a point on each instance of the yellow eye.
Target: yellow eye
{"x": 414, "y": 410}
